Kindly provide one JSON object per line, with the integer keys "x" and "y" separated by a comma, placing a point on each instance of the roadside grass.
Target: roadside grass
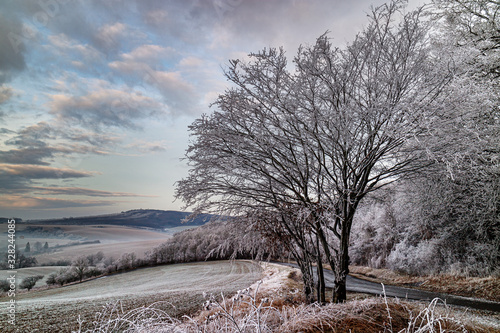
{"x": 268, "y": 307}
{"x": 486, "y": 288}
{"x": 251, "y": 314}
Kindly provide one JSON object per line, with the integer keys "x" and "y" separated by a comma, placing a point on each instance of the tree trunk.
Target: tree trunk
{"x": 308, "y": 287}
{"x": 305, "y": 266}
{"x": 339, "y": 292}
{"x": 321, "y": 276}
{"x": 342, "y": 267}
{"x": 321, "y": 282}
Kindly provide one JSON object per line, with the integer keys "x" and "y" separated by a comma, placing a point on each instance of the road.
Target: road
{"x": 363, "y": 286}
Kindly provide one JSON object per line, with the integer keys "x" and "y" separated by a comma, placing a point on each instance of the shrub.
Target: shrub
{"x": 4, "y": 285}
{"x": 29, "y": 282}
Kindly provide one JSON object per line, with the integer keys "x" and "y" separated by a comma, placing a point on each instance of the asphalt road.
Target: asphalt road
{"x": 363, "y": 286}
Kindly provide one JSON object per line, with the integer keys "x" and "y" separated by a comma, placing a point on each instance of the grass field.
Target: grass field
{"x": 181, "y": 285}
{"x": 114, "y": 250}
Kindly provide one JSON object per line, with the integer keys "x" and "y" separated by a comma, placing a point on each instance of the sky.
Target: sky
{"x": 96, "y": 96}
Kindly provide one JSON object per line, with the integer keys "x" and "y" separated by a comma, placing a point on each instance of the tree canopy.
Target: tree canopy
{"x": 296, "y": 150}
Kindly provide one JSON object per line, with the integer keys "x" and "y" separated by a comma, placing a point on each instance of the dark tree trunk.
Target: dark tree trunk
{"x": 342, "y": 263}
{"x": 305, "y": 266}
{"x": 321, "y": 282}
{"x": 321, "y": 276}
{"x": 339, "y": 292}
{"x": 308, "y": 281}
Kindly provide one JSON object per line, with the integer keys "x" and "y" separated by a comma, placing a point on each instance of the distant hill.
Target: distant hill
{"x": 150, "y": 218}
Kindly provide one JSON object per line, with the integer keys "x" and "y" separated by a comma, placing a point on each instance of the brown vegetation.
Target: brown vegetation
{"x": 478, "y": 287}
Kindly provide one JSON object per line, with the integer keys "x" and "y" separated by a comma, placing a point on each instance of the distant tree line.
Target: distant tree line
{"x": 37, "y": 247}
{"x": 93, "y": 265}
{"x": 216, "y": 240}
{"x": 22, "y": 261}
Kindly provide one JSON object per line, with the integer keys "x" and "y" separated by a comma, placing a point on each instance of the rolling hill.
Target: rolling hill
{"x": 148, "y": 218}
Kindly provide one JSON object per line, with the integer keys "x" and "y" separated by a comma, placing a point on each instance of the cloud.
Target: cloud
{"x": 188, "y": 21}
{"x": 66, "y": 47}
{"x": 111, "y": 37}
{"x": 5, "y": 93}
{"x": 12, "y": 52}
{"x": 4, "y": 130}
{"x": 28, "y": 171}
{"x": 148, "y": 52}
{"x": 105, "y": 108}
{"x": 26, "y": 156}
{"x": 40, "y": 142}
{"x": 83, "y": 192}
{"x": 33, "y": 136}
{"x": 19, "y": 178}
{"x": 23, "y": 202}
{"x": 149, "y": 146}
{"x": 155, "y": 18}
{"x": 190, "y": 62}
{"x": 39, "y": 155}
{"x": 178, "y": 94}
{"x": 100, "y": 140}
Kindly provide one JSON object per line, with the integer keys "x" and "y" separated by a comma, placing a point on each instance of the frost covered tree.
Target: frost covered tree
{"x": 29, "y": 282}
{"x": 80, "y": 266}
{"x": 474, "y": 25}
{"x": 455, "y": 225}
{"x": 38, "y": 246}
{"x": 304, "y": 147}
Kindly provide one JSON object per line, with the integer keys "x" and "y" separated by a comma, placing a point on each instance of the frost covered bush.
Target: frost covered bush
{"x": 62, "y": 277}
{"x": 29, "y": 282}
{"x": 420, "y": 259}
{"x": 429, "y": 225}
{"x": 374, "y": 235}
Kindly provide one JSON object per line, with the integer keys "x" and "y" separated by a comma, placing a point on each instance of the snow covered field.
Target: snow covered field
{"x": 180, "y": 285}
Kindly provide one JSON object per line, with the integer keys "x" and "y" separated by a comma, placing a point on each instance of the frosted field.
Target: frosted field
{"x": 114, "y": 250}
{"x": 114, "y": 240}
{"x": 181, "y": 285}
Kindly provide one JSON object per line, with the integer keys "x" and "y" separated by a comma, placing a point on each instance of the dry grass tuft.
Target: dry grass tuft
{"x": 373, "y": 315}
{"x": 486, "y": 287}
{"x": 113, "y": 318}
{"x": 243, "y": 313}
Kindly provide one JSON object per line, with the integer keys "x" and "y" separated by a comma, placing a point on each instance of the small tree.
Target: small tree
{"x": 80, "y": 267}
{"x": 127, "y": 261}
{"x": 38, "y": 246}
{"x": 30, "y": 281}
{"x": 22, "y": 261}
{"x": 27, "y": 248}
{"x": 46, "y": 246}
{"x": 4, "y": 285}
{"x": 51, "y": 279}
